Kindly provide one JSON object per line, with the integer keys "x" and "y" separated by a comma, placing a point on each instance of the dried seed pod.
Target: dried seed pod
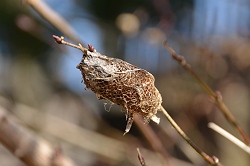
{"x": 121, "y": 83}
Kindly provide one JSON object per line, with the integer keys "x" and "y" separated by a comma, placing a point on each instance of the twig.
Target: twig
{"x": 55, "y": 19}
{"x": 229, "y": 136}
{"x": 216, "y": 95}
{"x": 24, "y": 145}
{"x": 152, "y": 138}
{"x": 140, "y": 157}
{"x": 60, "y": 40}
{"x": 211, "y": 160}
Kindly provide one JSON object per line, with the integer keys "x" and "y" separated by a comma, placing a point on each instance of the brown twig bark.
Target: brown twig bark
{"x": 28, "y": 148}
{"x": 211, "y": 160}
{"x": 216, "y": 95}
{"x": 140, "y": 157}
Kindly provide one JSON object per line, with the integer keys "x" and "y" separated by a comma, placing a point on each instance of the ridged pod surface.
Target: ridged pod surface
{"x": 121, "y": 83}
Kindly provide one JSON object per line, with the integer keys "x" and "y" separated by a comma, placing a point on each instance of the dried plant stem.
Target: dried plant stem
{"x": 211, "y": 160}
{"x": 152, "y": 138}
{"x": 60, "y": 40}
{"x": 140, "y": 157}
{"x": 229, "y": 136}
{"x": 24, "y": 145}
{"x": 54, "y": 18}
{"x": 216, "y": 95}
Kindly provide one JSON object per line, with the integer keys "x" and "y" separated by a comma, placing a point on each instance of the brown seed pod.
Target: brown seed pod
{"x": 121, "y": 83}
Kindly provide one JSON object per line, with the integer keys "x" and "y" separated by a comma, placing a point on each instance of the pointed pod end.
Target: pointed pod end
{"x": 129, "y": 125}
{"x": 155, "y": 119}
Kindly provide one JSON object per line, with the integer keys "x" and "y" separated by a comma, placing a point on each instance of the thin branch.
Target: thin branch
{"x": 211, "y": 160}
{"x": 152, "y": 138}
{"x": 54, "y": 18}
{"x": 60, "y": 40}
{"x": 28, "y": 148}
{"x": 140, "y": 157}
{"x": 216, "y": 95}
{"x": 229, "y": 136}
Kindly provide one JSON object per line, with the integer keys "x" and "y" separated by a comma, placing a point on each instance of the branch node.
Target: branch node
{"x": 58, "y": 39}
{"x": 218, "y": 96}
{"x": 215, "y": 159}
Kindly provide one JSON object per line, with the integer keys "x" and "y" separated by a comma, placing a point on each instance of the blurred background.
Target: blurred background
{"x": 41, "y": 87}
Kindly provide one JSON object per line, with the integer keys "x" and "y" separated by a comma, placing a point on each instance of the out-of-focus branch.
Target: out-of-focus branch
{"x": 152, "y": 138}
{"x": 55, "y": 19}
{"x": 78, "y": 136}
{"x": 217, "y": 96}
{"x": 229, "y": 136}
{"x": 117, "y": 150}
{"x": 28, "y": 148}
